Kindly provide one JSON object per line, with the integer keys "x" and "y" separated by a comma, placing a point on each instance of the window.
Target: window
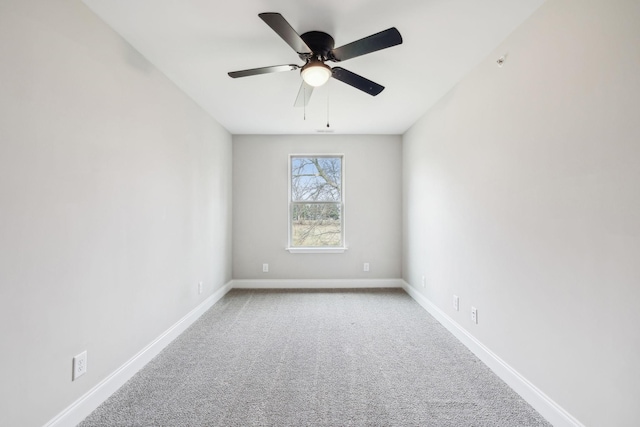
{"x": 316, "y": 203}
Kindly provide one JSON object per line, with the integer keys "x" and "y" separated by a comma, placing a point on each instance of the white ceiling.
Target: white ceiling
{"x": 196, "y": 42}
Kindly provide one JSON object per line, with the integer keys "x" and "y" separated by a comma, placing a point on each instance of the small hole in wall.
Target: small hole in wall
{"x": 501, "y": 60}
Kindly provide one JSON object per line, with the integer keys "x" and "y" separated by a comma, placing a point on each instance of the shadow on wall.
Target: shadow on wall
{"x": 135, "y": 59}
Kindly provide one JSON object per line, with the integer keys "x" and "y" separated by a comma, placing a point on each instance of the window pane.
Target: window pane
{"x": 316, "y": 179}
{"x": 316, "y": 224}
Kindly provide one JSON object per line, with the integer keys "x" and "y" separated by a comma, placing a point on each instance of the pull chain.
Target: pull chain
{"x": 328, "y": 92}
{"x": 304, "y": 110}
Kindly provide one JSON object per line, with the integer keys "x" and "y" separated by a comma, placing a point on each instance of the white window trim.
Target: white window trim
{"x": 323, "y": 250}
{"x": 320, "y": 249}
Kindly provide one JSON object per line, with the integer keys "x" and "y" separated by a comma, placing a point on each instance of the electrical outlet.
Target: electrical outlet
{"x": 200, "y": 287}
{"x": 424, "y": 282}
{"x": 79, "y": 365}
{"x": 456, "y": 303}
{"x": 474, "y": 315}
{"x": 265, "y": 268}
{"x": 366, "y": 266}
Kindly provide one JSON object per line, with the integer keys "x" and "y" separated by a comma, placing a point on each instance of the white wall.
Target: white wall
{"x": 115, "y": 201}
{"x": 373, "y": 207}
{"x": 522, "y": 196}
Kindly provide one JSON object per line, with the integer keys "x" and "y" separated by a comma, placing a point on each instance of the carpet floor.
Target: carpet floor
{"x": 369, "y": 357}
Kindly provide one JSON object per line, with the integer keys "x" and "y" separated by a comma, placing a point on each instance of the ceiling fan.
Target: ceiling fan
{"x": 315, "y": 48}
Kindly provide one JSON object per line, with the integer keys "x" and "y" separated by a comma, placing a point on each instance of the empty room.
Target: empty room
{"x": 337, "y": 213}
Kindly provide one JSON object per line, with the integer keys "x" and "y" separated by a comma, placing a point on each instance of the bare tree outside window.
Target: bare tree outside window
{"x": 316, "y": 201}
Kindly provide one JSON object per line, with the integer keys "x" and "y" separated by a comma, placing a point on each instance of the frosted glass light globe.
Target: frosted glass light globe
{"x": 315, "y": 73}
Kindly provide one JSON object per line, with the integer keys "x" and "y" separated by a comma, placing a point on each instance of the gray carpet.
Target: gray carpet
{"x": 315, "y": 358}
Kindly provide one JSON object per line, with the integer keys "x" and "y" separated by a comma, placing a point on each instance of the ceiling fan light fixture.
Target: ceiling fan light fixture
{"x": 315, "y": 73}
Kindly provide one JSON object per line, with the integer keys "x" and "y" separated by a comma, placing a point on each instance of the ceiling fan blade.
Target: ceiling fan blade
{"x": 373, "y": 43}
{"x": 263, "y": 70}
{"x": 359, "y": 82}
{"x": 284, "y": 30}
{"x": 304, "y": 94}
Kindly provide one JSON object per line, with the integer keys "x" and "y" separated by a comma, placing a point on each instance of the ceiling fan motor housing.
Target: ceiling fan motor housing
{"x": 320, "y": 43}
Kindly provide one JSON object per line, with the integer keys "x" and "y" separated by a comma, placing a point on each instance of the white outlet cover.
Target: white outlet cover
{"x": 474, "y": 315}
{"x": 79, "y": 365}
{"x": 366, "y": 266}
{"x": 456, "y": 303}
{"x": 265, "y": 268}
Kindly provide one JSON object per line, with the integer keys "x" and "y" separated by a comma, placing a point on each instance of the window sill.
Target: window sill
{"x": 336, "y": 250}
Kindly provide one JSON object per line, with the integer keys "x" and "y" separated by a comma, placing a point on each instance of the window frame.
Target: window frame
{"x": 316, "y": 249}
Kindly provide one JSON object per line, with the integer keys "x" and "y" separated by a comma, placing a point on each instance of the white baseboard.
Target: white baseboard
{"x": 317, "y": 283}
{"x": 542, "y": 403}
{"x": 82, "y": 407}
